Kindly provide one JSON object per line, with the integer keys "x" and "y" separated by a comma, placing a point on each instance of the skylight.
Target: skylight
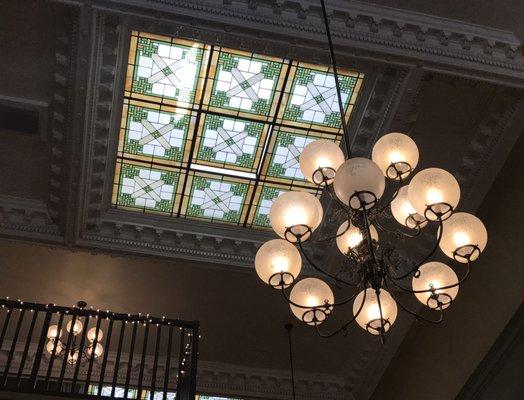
{"x": 214, "y": 133}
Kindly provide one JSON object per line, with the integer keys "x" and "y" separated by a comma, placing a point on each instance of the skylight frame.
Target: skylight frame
{"x": 185, "y": 166}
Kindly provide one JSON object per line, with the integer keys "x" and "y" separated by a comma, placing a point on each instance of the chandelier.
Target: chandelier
{"x": 56, "y": 348}
{"x": 368, "y": 193}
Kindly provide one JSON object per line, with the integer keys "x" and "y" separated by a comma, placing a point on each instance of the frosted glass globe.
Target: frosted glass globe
{"x": 437, "y": 275}
{"x": 99, "y": 350}
{"x": 395, "y": 148}
{"x": 358, "y": 174}
{"x": 294, "y": 209}
{"x": 462, "y": 229}
{"x": 310, "y": 292}
{"x": 77, "y": 328}
{"x": 431, "y": 186}
{"x": 352, "y": 237}
{"x": 370, "y": 313}
{"x": 276, "y": 256}
{"x": 50, "y": 345}
{"x": 53, "y": 332}
{"x": 320, "y": 154}
{"x": 91, "y": 333}
{"x": 401, "y": 209}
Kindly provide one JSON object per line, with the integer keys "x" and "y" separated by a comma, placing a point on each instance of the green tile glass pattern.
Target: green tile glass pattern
{"x": 229, "y": 141}
{"x": 156, "y": 134}
{"x": 215, "y": 134}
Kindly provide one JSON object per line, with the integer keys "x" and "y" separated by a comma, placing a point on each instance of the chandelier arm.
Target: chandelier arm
{"x": 368, "y": 233}
{"x": 346, "y": 323}
{"x": 383, "y": 207}
{"x": 460, "y": 281}
{"x": 310, "y": 261}
{"x": 416, "y": 315}
{"x": 337, "y": 82}
{"x": 427, "y": 257}
{"x": 331, "y": 237}
{"x": 398, "y": 232}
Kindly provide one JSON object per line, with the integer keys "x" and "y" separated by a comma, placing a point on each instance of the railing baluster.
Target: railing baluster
{"x": 92, "y": 358}
{"x": 106, "y": 353}
{"x": 130, "y": 363}
{"x": 155, "y": 362}
{"x": 53, "y": 352}
{"x": 26, "y": 348}
{"x": 168, "y": 361}
{"x": 180, "y": 357}
{"x": 118, "y": 354}
{"x": 143, "y": 361}
{"x": 70, "y": 338}
{"x": 13, "y": 345}
{"x": 40, "y": 348}
{"x": 194, "y": 360}
{"x": 6, "y": 324}
{"x": 80, "y": 352}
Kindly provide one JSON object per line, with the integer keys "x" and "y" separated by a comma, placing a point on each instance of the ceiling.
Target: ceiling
{"x": 458, "y": 93}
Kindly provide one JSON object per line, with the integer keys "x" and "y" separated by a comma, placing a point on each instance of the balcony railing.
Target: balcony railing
{"x": 82, "y": 352}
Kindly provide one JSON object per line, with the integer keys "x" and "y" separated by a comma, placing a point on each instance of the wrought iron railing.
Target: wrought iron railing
{"x": 84, "y": 352}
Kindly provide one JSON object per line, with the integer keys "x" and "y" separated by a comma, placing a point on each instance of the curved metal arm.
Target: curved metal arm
{"x": 310, "y": 261}
{"x": 416, "y": 315}
{"x": 396, "y": 232}
{"x": 427, "y": 257}
{"x": 346, "y": 323}
{"x": 460, "y": 281}
{"x": 383, "y": 207}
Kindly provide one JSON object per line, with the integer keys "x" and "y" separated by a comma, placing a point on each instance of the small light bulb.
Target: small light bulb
{"x": 373, "y": 311}
{"x": 280, "y": 264}
{"x": 433, "y": 196}
{"x": 395, "y": 156}
{"x": 312, "y": 301}
{"x": 354, "y": 239}
{"x": 294, "y": 216}
{"x": 461, "y": 239}
{"x": 322, "y": 162}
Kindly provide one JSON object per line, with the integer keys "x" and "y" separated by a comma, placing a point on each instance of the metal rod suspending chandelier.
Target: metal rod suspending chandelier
{"x": 360, "y": 187}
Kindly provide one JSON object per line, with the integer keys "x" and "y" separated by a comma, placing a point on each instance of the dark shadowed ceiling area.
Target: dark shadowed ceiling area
{"x": 458, "y": 93}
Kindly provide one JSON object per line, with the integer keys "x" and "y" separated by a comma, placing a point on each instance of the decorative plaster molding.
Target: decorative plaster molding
{"x": 370, "y": 30}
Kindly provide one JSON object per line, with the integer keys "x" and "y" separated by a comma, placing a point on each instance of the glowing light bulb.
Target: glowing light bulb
{"x": 294, "y": 215}
{"x": 312, "y": 301}
{"x": 354, "y": 239}
{"x": 461, "y": 239}
{"x": 322, "y": 162}
{"x": 280, "y": 263}
{"x": 396, "y": 156}
{"x": 434, "y": 196}
{"x": 373, "y": 311}
{"x": 407, "y": 208}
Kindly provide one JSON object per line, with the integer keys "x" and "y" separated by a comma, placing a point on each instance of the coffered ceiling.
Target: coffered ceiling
{"x": 456, "y": 88}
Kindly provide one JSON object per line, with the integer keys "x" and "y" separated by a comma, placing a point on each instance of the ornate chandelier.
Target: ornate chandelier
{"x": 367, "y": 191}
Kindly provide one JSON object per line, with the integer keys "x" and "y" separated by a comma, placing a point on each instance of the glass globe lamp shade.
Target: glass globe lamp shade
{"x": 460, "y": 233}
{"x": 276, "y": 256}
{"x": 54, "y": 333}
{"x": 435, "y": 275}
{"x": 431, "y": 187}
{"x": 404, "y": 212}
{"x": 396, "y": 155}
{"x": 50, "y": 345}
{"x": 98, "y": 350}
{"x": 91, "y": 334}
{"x": 77, "y": 328}
{"x": 310, "y": 293}
{"x": 320, "y": 160}
{"x": 301, "y": 212}
{"x": 352, "y": 236}
{"x": 369, "y": 317}
{"x": 359, "y": 175}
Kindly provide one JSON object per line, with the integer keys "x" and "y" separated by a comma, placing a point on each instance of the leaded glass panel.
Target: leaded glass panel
{"x": 215, "y": 134}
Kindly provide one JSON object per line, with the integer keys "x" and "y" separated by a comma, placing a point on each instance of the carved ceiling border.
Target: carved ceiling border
{"x": 375, "y": 32}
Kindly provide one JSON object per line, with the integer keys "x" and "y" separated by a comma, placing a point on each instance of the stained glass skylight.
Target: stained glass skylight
{"x": 215, "y": 134}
